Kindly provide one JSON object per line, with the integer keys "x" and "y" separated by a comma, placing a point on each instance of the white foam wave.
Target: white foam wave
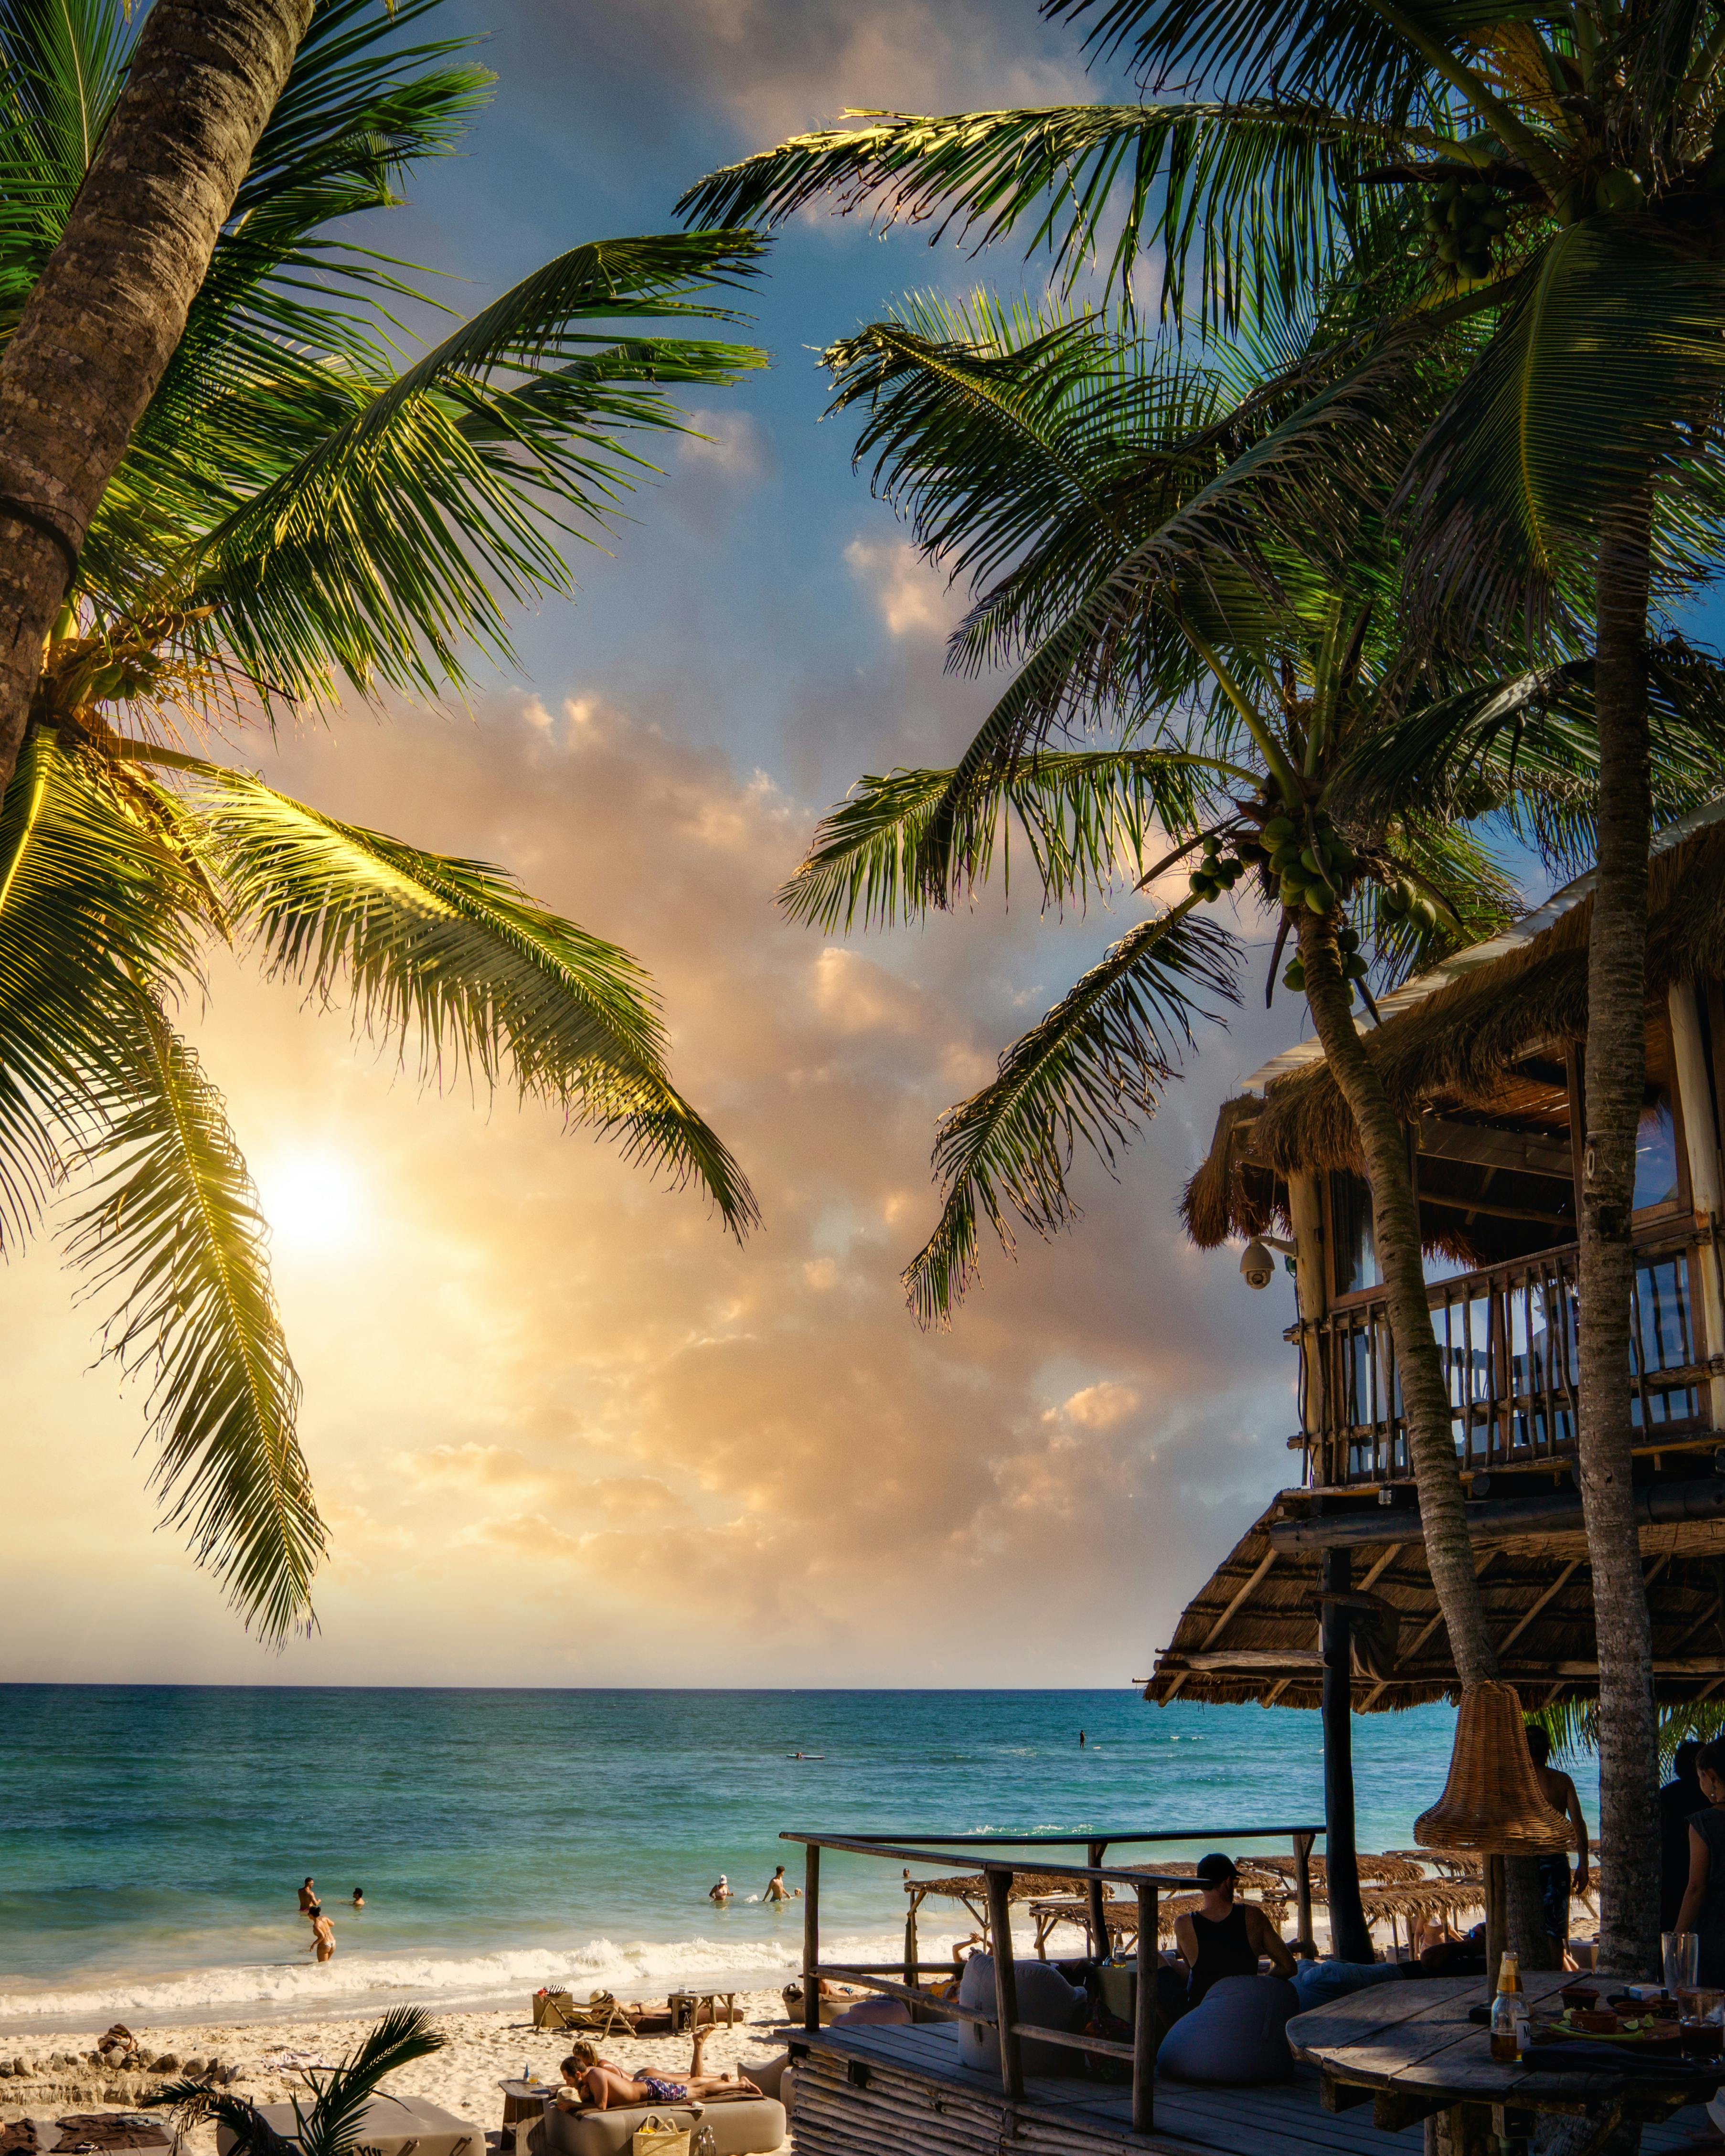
{"x": 254, "y": 1990}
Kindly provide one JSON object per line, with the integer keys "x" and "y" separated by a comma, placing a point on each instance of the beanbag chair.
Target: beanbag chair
{"x": 877, "y": 2011}
{"x": 1045, "y": 1998}
{"x": 1235, "y": 2035}
{"x": 1318, "y": 1982}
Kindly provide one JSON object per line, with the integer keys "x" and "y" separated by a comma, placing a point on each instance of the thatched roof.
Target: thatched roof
{"x": 1251, "y": 1631}
{"x": 1453, "y": 1037}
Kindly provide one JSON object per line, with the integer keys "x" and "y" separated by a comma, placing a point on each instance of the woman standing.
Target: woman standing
{"x": 1704, "y": 1907}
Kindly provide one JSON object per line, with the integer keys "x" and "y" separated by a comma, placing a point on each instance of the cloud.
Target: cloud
{"x": 731, "y": 443}
{"x": 561, "y": 1426}
{"x": 914, "y": 599}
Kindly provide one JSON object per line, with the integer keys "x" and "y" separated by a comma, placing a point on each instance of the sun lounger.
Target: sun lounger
{"x": 740, "y": 2126}
{"x": 389, "y": 2126}
{"x": 557, "y": 2010}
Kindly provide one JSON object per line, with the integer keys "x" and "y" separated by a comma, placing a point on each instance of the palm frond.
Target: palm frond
{"x": 452, "y": 954}
{"x": 1245, "y": 199}
{"x": 1093, "y": 1068}
{"x": 174, "y": 1231}
{"x": 376, "y": 525}
{"x": 1606, "y": 368}
{"x": 1084, "y": 814}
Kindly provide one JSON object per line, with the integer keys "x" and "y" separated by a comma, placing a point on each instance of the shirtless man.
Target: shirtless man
{"x": 777, "y": 1888}
{"x": 323, "y": 1936}
{"x": 590, "y": 2080}
{"x": 1555, "y": 1882}
{"x": 308, "y": 1904}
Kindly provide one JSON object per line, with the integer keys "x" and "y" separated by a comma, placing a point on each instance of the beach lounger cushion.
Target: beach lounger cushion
{"x": 1318, "y": 1982}
{"x": 387, "y": 2126}
{"x": 1046, "y": 2001}
{"x": 747, "y": 2126}
{"x": 1235, "y": 2035}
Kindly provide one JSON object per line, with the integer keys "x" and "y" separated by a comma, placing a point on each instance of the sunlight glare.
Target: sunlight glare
{"x": 312, "y": 1200}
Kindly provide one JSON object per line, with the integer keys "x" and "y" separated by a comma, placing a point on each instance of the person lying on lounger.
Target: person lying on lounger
{"x": 590, "y": 2080}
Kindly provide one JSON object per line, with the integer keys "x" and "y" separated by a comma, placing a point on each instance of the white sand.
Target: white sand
{"x": 480, "y": 2051}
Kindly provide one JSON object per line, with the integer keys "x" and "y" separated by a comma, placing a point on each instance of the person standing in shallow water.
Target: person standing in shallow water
{"x": 323, "y": 1938}
{"x": 1223, "y": 1937}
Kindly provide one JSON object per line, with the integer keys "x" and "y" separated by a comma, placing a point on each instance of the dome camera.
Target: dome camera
{"x": 1257, "y": 1267}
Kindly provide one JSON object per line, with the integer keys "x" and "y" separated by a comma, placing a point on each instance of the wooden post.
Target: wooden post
{"x": 910, "y": 1963}
{"x": 811, "y": 1939}
{"x": 1006, "y": 1980}
{"x": 1144, "y": 2016}
{"x": 1700, "y": 1144}
{"x": 1350, "y": 1935}
{"x": 1097, "y": 1894}
{"x": 1304, "y": 1940}
{"x": 1496, "y": 1920}
{"x": 1305, "y": 1216}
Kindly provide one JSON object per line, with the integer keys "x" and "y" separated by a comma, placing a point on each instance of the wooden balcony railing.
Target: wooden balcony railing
{"x": 1509, "y": 1345}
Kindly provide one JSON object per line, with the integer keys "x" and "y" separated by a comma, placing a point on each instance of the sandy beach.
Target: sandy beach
{"x": 481, "y": 2050}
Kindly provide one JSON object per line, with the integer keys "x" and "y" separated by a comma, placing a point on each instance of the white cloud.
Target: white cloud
{"x": 914, "y": 599}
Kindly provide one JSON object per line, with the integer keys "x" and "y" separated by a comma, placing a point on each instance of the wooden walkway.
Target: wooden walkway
{"x": 903, "y": 2091}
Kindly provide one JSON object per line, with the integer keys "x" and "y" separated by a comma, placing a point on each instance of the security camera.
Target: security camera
{"x": 1257, "y": 1267}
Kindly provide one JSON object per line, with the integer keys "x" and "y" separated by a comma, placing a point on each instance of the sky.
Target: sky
{"x": 563, "y": 1431}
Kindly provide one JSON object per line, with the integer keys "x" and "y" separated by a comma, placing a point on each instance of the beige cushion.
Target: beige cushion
{"x": 749, "y": 2125}
{"x": 388, "y": 2124}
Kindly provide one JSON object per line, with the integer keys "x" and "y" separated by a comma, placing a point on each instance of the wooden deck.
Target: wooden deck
{"x": 902, "y": 2092}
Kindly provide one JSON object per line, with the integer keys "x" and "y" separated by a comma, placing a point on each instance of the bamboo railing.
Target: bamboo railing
{"x": 998, "y": 1872}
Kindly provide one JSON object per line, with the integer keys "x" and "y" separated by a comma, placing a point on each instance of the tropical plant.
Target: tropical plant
{"x": 1559, "y": 178}
{"x": 329, "y": 2125}
{"x": 301, "y": 506}
{"x": 1146, "y": 533}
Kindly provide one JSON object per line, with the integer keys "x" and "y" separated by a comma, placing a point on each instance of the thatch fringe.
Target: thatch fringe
{"x": 1457, "y": 1043}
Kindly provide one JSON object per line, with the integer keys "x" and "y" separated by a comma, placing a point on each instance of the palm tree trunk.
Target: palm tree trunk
{"x": 104, "y": 318}
{"x": 1426, "y": 1414}
{"x": 1616, "y": 1076}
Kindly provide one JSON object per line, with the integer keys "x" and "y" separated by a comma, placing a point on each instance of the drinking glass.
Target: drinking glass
{"x": 1682, "y": 1959}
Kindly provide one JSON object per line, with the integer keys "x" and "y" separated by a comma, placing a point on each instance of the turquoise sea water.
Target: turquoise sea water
{"x": 152, "y": 1839}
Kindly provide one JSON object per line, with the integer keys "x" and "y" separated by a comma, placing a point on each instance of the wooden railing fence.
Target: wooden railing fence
{"x": 998, "y": 1873}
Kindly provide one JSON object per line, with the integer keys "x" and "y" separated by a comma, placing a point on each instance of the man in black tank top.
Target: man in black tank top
{"x": 1224, "y": 1938}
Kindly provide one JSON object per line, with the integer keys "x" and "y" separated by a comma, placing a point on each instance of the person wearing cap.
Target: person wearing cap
{"x": 1222, "y": 1936}
{"x": 720, "y": 1894}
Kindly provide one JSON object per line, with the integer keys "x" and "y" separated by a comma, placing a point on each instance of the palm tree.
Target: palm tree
{"x": 1127, "y": 523}
{"x": 1558, "y": 180}
{"x": 329, "y": 2125}
{"x": 164, "y": 158}
{"x": 301, "y": 504}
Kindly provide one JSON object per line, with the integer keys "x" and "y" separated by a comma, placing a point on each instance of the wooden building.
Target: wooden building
{"x": 1327, "y": 1600}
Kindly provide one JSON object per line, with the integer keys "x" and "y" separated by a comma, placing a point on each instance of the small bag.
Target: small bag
{"x": 660, "y": 2137}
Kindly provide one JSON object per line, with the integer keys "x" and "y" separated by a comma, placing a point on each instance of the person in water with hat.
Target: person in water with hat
{"x": 1222, "y": 1936}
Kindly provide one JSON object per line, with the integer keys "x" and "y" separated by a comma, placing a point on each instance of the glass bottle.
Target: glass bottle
{"x": 1509, "y": 2013}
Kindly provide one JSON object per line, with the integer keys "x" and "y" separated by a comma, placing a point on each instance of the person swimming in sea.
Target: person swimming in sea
{"x": 720, "y": 1892}
{"x": 308, "y": 1904}
{"x": 778, "y": 1887}
{"x": 591, "y": 2082}
{"x": 359, "y": 1897}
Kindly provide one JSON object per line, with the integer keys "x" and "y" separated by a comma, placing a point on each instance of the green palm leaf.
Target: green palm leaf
{"x": 1093, "y": 1068}
{"x": 1085, "y": 814}
{"x": 1245, "y": 198}
{"x": 175, "y": 1231}
{"x": 452, "y": 954}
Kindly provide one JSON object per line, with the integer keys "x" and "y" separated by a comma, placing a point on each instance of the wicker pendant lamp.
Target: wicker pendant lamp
{"x": 1492, "y": 1801}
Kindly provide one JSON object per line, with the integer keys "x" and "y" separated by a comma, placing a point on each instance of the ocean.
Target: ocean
{"x": 153, "y": 1838}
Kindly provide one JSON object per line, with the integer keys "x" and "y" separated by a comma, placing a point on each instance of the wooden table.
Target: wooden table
{"x": 523, "y": 2106}
{"x": 686, "y": 2009}
{"x": 1408, "y": 2049}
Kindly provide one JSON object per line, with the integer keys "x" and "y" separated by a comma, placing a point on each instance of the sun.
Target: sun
{"x": 313, "y": 1198}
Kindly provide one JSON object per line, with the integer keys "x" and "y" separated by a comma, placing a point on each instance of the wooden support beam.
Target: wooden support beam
{"x": 811, "y": 1937}
{"x": 1393, "y": 2110}
{"x": 1006, "y": 1985}
{"x": 1442, "y": 1138}
{"x": 1337, "y": 2095}
{"x": 1144, "y": 2015}
{"x": 1556, "y": 1588}
{"x": 1350, "y": 1935}
{"x": 1096, "y": 1901}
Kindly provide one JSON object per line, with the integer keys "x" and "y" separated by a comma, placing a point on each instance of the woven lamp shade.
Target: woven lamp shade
{"x": 1492, "y": 1801}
